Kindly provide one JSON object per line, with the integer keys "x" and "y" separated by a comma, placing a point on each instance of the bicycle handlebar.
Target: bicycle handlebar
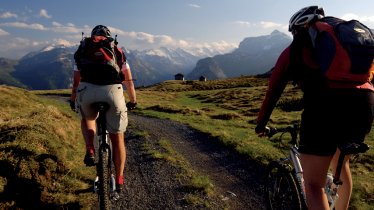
{"x": 346, "y": 148}
{"x": 271, "y": 131}
{"x": 292, "y": 130}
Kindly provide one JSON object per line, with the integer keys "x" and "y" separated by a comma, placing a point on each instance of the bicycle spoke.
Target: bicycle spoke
{"x": 281, "y": 189}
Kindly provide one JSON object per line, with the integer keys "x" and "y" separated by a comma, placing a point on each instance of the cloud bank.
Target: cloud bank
{"x": 69, "y": 34}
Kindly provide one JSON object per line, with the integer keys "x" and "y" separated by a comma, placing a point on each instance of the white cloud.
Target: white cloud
{"x": 143, "y": 41}
{"x": 59, "y": 28}
{"x": 56, "y": 27}
{"x": 223, "y": 45}
{"x": 69, "y": 35}
{"x": 266, "y": 24}
{"x": 56, "y": 24}
{"x": 242, "y": 23}
{"x": 44, "y": 13}
{"x": 194, "y": 5}
{"x": 8, "y": 15}
{"x": 35, "y": 26}
{"x": 64, "y": 42}
{"x": 165, "y": 40}
{"x": 263, "y": 24}
{"x": 369, "y": 20}
{"x": 17, "y": 47}
{"x": 3, "y": 33}
{"x": 183, "y": 43}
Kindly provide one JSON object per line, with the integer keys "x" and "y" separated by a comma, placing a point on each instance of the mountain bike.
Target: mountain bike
{"x": 284, "y": 183}
{"x": 104, "y": 184}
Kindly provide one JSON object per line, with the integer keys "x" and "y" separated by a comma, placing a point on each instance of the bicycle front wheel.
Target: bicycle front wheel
{"x": 104, "y": 179}
{"x": 281, "y": 191}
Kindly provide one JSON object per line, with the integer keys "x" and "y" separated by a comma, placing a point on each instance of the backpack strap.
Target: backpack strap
{"x": 331, "y": 56}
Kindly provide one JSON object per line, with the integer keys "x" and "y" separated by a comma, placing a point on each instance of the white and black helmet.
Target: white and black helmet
{"x": 305, "y": 16}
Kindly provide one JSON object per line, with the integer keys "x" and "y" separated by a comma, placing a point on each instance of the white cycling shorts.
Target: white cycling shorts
{"x": 116, "y": 116}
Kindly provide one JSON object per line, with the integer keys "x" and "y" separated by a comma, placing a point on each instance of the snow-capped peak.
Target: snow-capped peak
{"x": 52, "y": 47}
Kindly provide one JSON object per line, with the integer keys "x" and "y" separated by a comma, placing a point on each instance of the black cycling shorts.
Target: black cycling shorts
{"x": 335, "y": 117}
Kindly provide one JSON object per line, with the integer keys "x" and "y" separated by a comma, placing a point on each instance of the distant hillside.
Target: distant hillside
{"x": 51, "y": 68}
{"x": 6, "y": 69}
{"x": 156, "y": 65}
{"x": 255, "y": 55}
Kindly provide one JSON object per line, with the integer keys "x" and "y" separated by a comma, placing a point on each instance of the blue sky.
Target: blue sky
{"x": 30, "y": 25}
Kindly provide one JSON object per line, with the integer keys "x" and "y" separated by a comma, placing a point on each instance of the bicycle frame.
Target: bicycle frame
{"x": 103, "y": 139}
{"x": 104, "y": 183}
{"x": 298, "y": 170}
{"x": 331, "y": 188}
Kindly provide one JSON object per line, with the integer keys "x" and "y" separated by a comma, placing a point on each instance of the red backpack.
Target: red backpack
{"x": 100, "y": 61}
{"x": 344, "y": 50}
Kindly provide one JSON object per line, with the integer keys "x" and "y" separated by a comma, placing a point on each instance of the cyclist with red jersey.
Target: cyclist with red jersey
{"x": 333, "y": 112}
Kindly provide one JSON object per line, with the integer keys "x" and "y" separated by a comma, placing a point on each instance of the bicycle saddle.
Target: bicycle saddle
{"x": 100, "y": 106}
{"x": 353, "y": 148}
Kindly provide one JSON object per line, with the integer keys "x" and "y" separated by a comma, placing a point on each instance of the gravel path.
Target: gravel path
{"x": 152, "y": 183}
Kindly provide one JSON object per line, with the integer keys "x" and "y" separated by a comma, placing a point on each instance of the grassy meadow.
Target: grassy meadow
{"x": 41, "y": 145}
{"x": 41, "y": 153}
{"x": 227, "y": 109}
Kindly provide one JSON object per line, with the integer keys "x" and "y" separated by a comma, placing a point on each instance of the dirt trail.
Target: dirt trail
{"x": 152, "y": 184}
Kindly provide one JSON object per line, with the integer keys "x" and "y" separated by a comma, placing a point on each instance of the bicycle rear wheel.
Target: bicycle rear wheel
{"x": 281, "y": 191}
{"x": 104, "y": 178}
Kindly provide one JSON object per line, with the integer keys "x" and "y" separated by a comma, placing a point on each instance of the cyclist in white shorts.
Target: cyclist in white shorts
{"x": 96, "y": 81}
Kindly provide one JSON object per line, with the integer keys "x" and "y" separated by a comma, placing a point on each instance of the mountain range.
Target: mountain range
{"x": 51, "y": 67}
{"x": 255, "y": 55}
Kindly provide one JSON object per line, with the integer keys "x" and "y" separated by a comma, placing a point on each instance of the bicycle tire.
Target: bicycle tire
{"x": 281, "y": 189}
{"x": 104, "y": 179}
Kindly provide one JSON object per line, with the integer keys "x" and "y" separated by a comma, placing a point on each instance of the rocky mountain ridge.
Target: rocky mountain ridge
{"x": 255, "y": 55}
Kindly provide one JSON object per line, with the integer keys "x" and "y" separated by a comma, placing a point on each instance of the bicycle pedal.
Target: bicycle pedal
{"x": 112, "y": 183}
{"x": 96, "y": 185}
{"x": 115, "y": 196}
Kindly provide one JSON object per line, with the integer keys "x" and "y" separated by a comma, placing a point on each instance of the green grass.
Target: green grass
{"x": 195, "y": 180}
{"x": 190, "y": 178}
{"x": 227, "y": 109}
{"x": 41, "y": 152}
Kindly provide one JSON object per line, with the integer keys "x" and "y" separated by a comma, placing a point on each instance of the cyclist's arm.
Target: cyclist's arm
{"x": 277, "y": 84}
{"x": 76, "y": 80}
{"x": 129, "y": 82}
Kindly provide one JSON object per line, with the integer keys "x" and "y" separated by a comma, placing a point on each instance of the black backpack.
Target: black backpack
{"x": 100, "y": 61}
{"x": 344, "y": 49}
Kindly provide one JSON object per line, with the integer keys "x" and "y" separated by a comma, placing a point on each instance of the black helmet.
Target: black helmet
{"x": 305, "y": 16}
{"x": 100, "y": 30}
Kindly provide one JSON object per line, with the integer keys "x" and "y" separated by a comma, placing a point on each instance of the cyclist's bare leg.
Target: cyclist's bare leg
{"x": 315, "y": 169}
{"x": 345, "y": 190}
{"x": 88, "y": 130}
{"x": 119, "y": 152}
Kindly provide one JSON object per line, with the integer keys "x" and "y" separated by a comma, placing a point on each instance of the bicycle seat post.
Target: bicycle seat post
{"x": 338, "y": 170}
{"x": 101, "y": 107}
{"x": 347, "y": 149}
